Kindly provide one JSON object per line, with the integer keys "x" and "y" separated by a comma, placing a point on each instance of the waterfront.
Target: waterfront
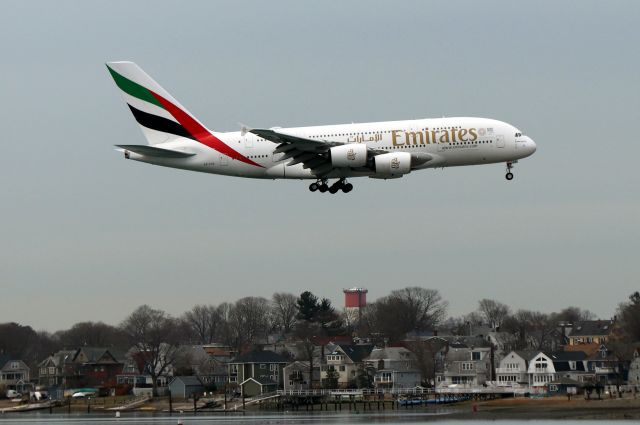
{"x": 530, "y": 412}
{"x": 283, "y": 419}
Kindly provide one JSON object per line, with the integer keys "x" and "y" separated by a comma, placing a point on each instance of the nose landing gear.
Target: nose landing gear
{"x": 322, "y": 186}
{"x": 509, "y": 175}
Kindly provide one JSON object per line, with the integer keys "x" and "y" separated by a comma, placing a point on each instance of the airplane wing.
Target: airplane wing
{"x": 312, "y": 153}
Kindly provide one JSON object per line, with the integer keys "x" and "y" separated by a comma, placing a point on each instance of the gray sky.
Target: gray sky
{"x": 88, "y": 235}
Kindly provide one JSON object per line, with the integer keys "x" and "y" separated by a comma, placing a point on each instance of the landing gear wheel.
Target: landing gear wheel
{"x": 347, "y": 188}
{"x": 320, "y": 185}
{"x": 335, "y": 188}
{"x": 509, "y": 175}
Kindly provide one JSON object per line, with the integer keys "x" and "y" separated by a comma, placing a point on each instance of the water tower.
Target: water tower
{"x": 355, "y": 299}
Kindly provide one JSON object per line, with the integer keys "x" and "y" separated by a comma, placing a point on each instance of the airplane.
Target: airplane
{"x": 378, "y": 150}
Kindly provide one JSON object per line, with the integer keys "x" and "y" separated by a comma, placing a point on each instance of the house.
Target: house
{"x": 83, "y": 367}
{"x": 137, "y": 371}
{"x": 15, "y": 375}
{"x": 133, "y": 371}
{"x": 513, "y": 368}
{"x": 264, "y": 369}
{"x": 93, "y": 367}
{"x": 545, "y": 368}
{"x": 53, "y": 370}
{"x": 186, "y": 386}
{"x": 298, "y": 377}
{"x": 345, "y": 360}
{"x": 604, "y": 367}
{"x": 255, "y": 386}
{"x": 541, "y": 370}
{"x": 211, "y": 369}
{"x": 395, "y": 367}
{"x": 590, "y": 332}
{"x": 570, "y": 365}
{"x": 464, "y": 365}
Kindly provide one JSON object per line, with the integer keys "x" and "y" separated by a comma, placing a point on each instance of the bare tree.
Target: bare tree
{"x": 250, "y": 316}
{"x": 405, "y": 310}
{"x": 629, "y": 316}
{"x": 493, "y": 312}
{"x": 305, "y": 334}
{"x": 153, "y": 334}
{"x": 462, "y": 325}
{"x": 96, "y": 334}
{"x": 573, "y": 315}
{"x": 284, "y": 310}
{"x": 427, "y": 357}
{"x": 202, "y": 322}
{"x": 541, "y": 329}
{"x": 425, "y": 307}
{"x": 230, "y": 334}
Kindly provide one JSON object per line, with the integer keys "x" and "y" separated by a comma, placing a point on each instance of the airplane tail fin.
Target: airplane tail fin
{"x": 160, "y": 116}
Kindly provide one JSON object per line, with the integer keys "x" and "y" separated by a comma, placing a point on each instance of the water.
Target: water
{"x": 307, "y": 418}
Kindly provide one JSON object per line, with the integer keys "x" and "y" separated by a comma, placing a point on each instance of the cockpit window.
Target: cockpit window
{"x": 518, "y": 134}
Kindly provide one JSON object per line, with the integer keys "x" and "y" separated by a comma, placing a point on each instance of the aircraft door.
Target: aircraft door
{"x": 500, "y": 141}
{"x": 248, "y": 140}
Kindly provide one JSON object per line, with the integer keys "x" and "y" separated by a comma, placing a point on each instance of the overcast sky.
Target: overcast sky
{"x": 87, "y": 235}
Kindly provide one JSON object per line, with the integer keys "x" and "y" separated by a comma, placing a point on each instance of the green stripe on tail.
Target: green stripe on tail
{"x": 134, "y": 89}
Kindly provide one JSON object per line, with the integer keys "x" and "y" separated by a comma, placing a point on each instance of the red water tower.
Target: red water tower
{"x": 355, "y": 298}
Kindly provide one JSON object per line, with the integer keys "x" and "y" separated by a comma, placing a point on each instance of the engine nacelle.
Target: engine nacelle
{"x": 351, "y": 155}
{"x": 391, "y": 165}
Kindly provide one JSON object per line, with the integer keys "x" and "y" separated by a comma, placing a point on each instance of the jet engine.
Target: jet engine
{"x": 351, "y": 155}
{"x": 392, "y": 165}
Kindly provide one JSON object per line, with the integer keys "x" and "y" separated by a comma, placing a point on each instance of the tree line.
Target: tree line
{"x": 248, "y": 321}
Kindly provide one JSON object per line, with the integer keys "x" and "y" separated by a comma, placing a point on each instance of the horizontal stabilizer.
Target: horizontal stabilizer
{"x": 157, "y": 152}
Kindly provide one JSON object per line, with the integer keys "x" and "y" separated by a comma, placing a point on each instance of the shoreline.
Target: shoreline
{"x": 558, "y": 408}
{"x": 550, "y": 408}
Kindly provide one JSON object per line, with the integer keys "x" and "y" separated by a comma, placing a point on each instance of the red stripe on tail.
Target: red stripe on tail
{"x": 200, "y": 133}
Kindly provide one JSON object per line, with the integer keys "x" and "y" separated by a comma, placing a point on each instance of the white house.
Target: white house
{"x": 395, "y": 368}
{"x": 541, "y": 370}
{"x": 514, "y": 368}
{"x": 545, "y": 368}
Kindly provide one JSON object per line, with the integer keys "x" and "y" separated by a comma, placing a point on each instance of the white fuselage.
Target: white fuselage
{"x": 449, "y": 141}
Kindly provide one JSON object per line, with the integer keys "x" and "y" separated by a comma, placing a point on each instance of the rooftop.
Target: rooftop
{"x": 356, "y": 352}
{"x": 591, "y": 328}
{"x": 188, "y": 381}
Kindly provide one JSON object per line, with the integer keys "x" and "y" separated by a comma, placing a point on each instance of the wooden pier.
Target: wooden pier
{"x": 374, "y": 399}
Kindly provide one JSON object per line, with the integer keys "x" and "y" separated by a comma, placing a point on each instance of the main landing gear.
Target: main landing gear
{"x": 322, "y": 186}
{"x": 509, "y": 175}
